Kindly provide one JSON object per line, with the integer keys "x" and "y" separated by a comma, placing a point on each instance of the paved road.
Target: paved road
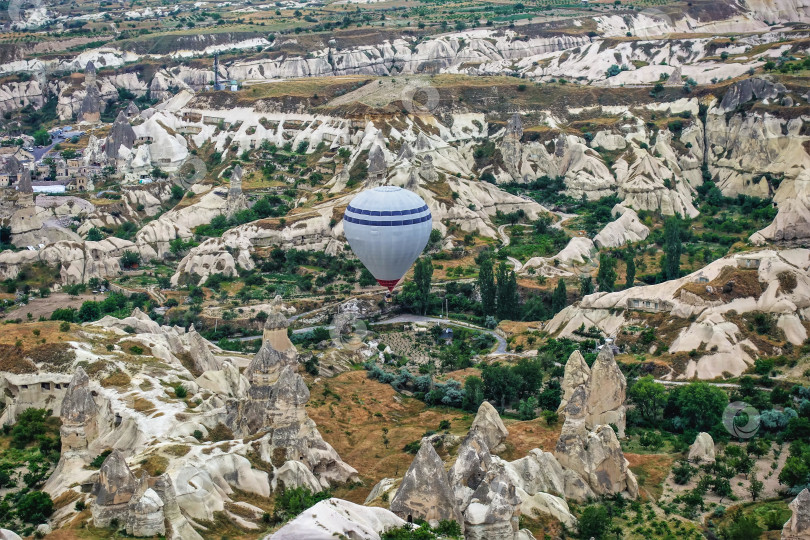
{"x": 40, "y": 153}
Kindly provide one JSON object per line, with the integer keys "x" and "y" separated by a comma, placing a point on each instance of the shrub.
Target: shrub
{"x": 292, "y": 502}
{"x": 98, "y": 461}
{"x": 64, "y": 327}
{"x": 130, "y": 259}
{"x": 30, "y": 424}
{"x": 412, "y": 447}
{"x": 35, "y": 507}
{"x": 180, "y": 391}
{"x": 594, "y": 521}
{"x": 220, "y": 433}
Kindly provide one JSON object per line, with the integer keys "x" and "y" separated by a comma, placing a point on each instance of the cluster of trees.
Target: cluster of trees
{"x": 525, "y": 386}
{"x": 267, "y": 206}
{"x": 499, "y": 293}
{"x": 116, "y": 304}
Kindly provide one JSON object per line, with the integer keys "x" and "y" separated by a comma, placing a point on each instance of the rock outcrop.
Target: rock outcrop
{"x": 145, "y": 511}
{"x": 576, "y": 373}
{"x": 594, "y": 456}
{"x": 702, "y": 450}
{"x": 79, "y": 414}
{"x": 425, "y": 491}
{"x": 607, "y": 391}
{"x": 489, "y": 425}
{"x": 90, "y": 109}
{"x": 236, "y": 199}
{"x": 748, "y": 89}
{"x": 604, "y": 387}
{"x": 275, "y": 406}
{"x": 336, "y": 518}
{"x": 484, "y": 491}
{"x": 121, "y": 136}
{"x": 627, "y": 228}
{"x": 798, "y": 526}
{"x": 115, "y": 487}
{"x": 201, "y": 356}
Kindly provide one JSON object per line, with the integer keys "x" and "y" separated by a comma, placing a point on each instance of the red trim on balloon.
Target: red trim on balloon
{"x": 390, "y": 283}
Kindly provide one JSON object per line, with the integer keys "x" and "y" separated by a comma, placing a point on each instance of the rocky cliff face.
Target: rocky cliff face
{"x": 595, "y": 456}
{"x": 276, "y": 405}
{"x": 728, "y": 348}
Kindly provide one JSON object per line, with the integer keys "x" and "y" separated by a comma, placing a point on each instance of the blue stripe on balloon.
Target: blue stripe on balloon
{"x": 388, "y": 223}
{"x": 383, "y": 213}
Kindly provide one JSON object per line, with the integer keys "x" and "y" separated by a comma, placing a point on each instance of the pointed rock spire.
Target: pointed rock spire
{"x": 425, "y": 491}
{"x": 116, "y": 483}
{"x": 489, "y": 425}
{"x": 78, "y": 405}
{"x": 608, "y": 390}
{"x": 576, "y": 373}
{"x": 121, "y": 134}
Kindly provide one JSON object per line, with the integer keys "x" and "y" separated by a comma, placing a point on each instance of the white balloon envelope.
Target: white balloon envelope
{"x": 387, "y": 227}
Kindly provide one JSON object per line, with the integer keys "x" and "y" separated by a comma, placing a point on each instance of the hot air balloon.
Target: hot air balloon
{"x": 387, "y": 228}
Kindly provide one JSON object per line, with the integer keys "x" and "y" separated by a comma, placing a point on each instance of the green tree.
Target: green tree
{"x": 606, "y": 278}
{"x": 594, "y": 521}
{"x": 473, "y": 393}
{"x": 755, "y": 485}
{"x": 486, "y": 285}
{"x": 90, "y": 311}
{"x": 672, "y": 249}
{"x": 527, "y": 407}
{"x": 795, "y": 472}
{"x": 94, "y": 235}
{"x": 508, "y": 299}
{"x": 742, "y": 528}
{"x": 649, "y": 398}
{"x": 559, "y": 298}
{"x": 35, "y": 507}
{"x": 630, "y": 261}
{"x": 586, "y": 285}
{"x": 699, "y": 405}
{"x": 41, "y": 137}
{"x": 130, "y": 259}
{"x": 500, "y": 383}
{"x": 422, "y": 276}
